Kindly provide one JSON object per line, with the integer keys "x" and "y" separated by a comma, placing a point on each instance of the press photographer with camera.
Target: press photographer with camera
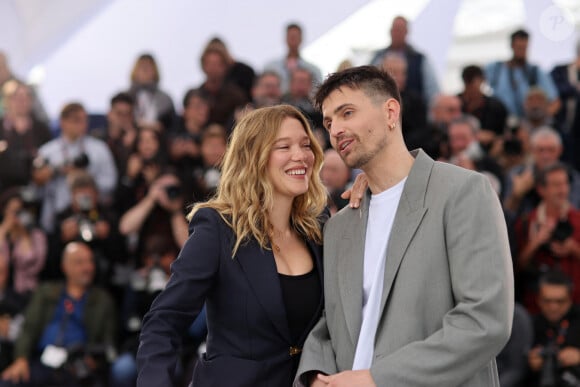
{"x": 159, "y": 209}
{"x": 549, "y": 236}
{"x": 88, "y": 221}
{"x": 73, "y": 150}
{"x": 68, "y": 331}
{"x": 554, "y": 359}
{"x": 22, "y": 243}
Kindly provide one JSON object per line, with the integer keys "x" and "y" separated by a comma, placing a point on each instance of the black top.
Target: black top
{"x": 299, "y": 295}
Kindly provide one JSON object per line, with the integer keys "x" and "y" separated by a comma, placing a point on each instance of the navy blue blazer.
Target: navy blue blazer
{"x": 248, "y": 342}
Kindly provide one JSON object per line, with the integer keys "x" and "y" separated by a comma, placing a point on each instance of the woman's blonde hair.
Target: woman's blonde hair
{"x": 245, "y": 195}
{"x": 145, "y": 58}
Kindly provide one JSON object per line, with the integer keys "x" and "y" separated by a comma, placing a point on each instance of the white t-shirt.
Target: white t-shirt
{"x": 382, "y": 210}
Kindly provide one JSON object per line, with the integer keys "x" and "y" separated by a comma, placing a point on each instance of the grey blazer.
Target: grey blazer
{"x": 447, "y": 303}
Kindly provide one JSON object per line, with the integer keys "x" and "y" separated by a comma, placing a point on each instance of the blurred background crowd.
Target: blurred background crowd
{"x": 97, "y": 201}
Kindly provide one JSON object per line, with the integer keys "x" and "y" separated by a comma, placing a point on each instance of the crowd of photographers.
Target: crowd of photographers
{"x": 92, "y": 211}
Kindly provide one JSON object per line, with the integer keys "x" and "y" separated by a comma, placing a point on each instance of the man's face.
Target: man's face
{"x": 214, "y": 66}
{"x": 75, "y": 125}
{"x": 197, "y": 110}
{"x": 300, "y": 84}
{"x": 555, "y": 192}
{"x": 20, "y": 101}
{"x": 78, "y": 266}
{"x": 554, "y": 302}
{"x": 545, "y": 151}
{"x": 357, "y": 125}
{"x": 121, "y": 115}
{"x": 398, "y": 32}
{"x": 520, "y": 48}
{"x": 536, "y": 107}
{"x": 446, "y": 109}
{"x": 293, "y": 39}
{"x": 334, "y": 173}
{"x": 267, "y": 91}
{"x": 460, "y": 137}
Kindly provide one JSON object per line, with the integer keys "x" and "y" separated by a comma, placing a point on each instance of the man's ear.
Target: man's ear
{"x": 392, "y": 109}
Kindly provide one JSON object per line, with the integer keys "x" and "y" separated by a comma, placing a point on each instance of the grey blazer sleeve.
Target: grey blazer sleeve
{"x": 479, "y": 325}
{"x": 317, "y": 354}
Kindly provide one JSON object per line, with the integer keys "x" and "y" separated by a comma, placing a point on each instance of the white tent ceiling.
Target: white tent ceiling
{"x": 84, "y": 50}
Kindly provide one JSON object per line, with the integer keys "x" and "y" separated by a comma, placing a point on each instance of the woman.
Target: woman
{"x": 253, "y": 256}
{"x": 23, "y": 244}
{"x": 153, "y": 107}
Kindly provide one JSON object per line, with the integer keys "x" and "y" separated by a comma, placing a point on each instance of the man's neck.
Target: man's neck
{"x": 75, "y": 291}
{"x": 293, "y": 54}
{"x": 388, "y": 169}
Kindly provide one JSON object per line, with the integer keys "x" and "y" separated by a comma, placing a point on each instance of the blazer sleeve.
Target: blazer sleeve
{"x": 479, "y": 325}
{"x": 317, "y": 354}
{"x": 174, "y": 310}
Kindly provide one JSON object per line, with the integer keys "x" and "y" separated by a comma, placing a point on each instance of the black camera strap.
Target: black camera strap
{"x": 561, "y": 337}
{"x": 65, "y": 146}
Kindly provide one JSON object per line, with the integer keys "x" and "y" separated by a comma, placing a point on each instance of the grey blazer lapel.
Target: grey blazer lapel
{"x": 350, "y": 268}
{"x": 409, "y": 215}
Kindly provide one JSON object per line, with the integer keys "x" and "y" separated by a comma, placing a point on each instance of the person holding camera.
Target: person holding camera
{"x": 73, "y": 150}
{"x": 69, "y": 329}
{"x": 549, "y": 236}
{"x": 21, "y": 242}
{"x": 159, "y": 210}
{"x": 554, "y": 359}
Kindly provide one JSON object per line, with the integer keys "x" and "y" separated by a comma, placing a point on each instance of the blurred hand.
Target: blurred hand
{"x": 134, "y": 166}
{"x": 102, "y": 229}
{"x": 541, "y": 233}
{"x": 535, "y": 359}
{"x": 17, "y": 372}
{"x": 569, "y": 357}
{"x": 5, "y": 321}
{"x": 360, "y": 378}
{"x": 523, "y": 183}
{"x": 69, "y": 229}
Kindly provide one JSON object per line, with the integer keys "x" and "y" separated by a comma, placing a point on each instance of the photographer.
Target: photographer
{"x": 159, "y": 210}
{"x": 22, "y": 243}
{"x": 549, "y": 236}
{"x": 68, "y": 330}
{"x": 85, "y": 220}
{"x": 70, "y": 152}
{"x": 21, "y": 134}
{"x": 554, "y": 359}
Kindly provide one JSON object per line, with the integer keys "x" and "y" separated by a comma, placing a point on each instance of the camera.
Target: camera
{"x": 81, "y": 161}
{"x": 562, "y": 231}
{"x": 549, "y": 378}
{"x": 173, "y": 191}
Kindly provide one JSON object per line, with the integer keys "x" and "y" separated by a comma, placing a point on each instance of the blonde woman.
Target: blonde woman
{"x": 253, "y": 256}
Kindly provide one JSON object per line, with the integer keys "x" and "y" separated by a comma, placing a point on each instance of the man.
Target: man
{"x": 300, "y": 93}
{"x": 285, "y": 66}
{"x": 421, "y": 76}
{"x": 60, "y": 318}
{"x": 267, "y": 90}
{"x": 520, "y": 196}
{"x": 488, "y": 110}
{"x": 64, "y": 155}
{"x": 414, "y": 111}
{"x": 336, "y": 177}
{"x": 511, "y": 80}
{"x": 418, "y": 281}
{"x": 121, "y": 131}
{"x": 536, "y": 111}
{"x": 222, "y": 96}
{"x": 549, "y": 236}
{"x": 567, "y": 80}
{"x": 556, "y": 353}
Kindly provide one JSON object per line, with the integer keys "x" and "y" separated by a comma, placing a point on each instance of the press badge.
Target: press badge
{"x": 53, "y": 356}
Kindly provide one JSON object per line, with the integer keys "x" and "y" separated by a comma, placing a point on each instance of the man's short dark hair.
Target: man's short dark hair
{"x": 519, "y": 34}
{"x": 542, "y": 177}
{"x": 471, "y": 72}
{"x": 557, "y": 278}
{"x": 71, "y": 108}
{"x": 292, "y": 26}
{"x": 192, "y": 93}
{"x": 369, "y": 79}
{"x": 122, "y": 98}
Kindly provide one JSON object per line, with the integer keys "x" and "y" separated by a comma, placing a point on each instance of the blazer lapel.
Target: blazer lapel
{"x": 409, "y": 215}
{"x": 260, "y": 269}
{"x": 350, "y": 268}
